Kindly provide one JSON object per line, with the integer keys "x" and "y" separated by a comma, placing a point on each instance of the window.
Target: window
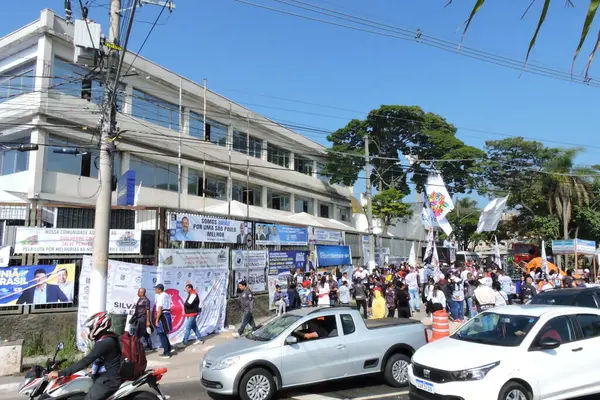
{"x": 320, "y": 169}
{"x": 216, "y": 133}
{"x": 347, "y": 324}
{"x": 240, "y": 142}
{"x": 317, "y": 329}
{"x": 303, "y": 205}
{"x": 590, "y": 325}
{"x": 277, "y": 155}
{"x": 496, "y": 329}
{"x": 278, "y": 201}
{"x": 196, "y": 125}
{"x": 17, "y": 81}
{"x": 216, "y": 188}
{"x": 586, "y": 300}
{"x": 154, "y": 174}
{"x": 247, "y": 195}
{"x": 324, "y": 210}
{"x": 345, "y": 213}
{"x": 303, "y": 165}
{"x": 255, "y": 148}
{"x": 13, "y": 161}
{"x": 80, "y": 164}
{"x": 155, "y": 110}
{"x": 559, "y": 328}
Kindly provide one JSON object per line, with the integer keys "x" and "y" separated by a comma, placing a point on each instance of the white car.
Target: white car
{"x": 529, "y": 352}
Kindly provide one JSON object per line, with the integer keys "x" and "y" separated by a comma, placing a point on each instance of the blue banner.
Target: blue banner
{"x": 281, "y": 262}
{"x": 126, "y": 189}
{"x": 266, "y": 234}
{"x": 328, "y": 256}
{"x": 37, "y": 284}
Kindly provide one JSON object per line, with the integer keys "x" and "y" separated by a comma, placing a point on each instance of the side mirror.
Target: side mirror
{"x": 549, "y": 343}
{"x": 60, "y": 346}
{"x": 291, "y": 340}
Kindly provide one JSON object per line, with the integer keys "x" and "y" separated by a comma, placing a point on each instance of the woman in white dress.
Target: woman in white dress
{"x": 323, "y": 292}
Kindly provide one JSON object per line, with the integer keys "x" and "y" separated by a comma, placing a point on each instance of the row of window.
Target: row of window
{"x": 17, "y": 81}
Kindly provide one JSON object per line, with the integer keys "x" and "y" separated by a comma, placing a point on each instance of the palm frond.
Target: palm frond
{"x": 537, "y": 29}
{"x": 589, "y": 18}
{"x": 474, "y": 11}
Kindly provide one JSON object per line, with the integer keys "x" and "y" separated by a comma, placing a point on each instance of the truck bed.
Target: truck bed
{"x": 387, "y": 322}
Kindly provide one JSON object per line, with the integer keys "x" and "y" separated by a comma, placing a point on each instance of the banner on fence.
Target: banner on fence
{"x": 328, "y": 256}
{"x": 209, "y": 279}
{"x": 74, "y": 241}
{"x": 200, "y": 228}
{"x": 381, "y": 255}
{"x": 280, "y": 279}
{"x": 37, "y": 284}
{"x": 325, "y": 236}
{"x": 249, "y": 266}
{"x": 286, "y": 261}
{"x": 281, "y": 234}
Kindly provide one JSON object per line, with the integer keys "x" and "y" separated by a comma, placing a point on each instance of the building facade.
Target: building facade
{"x": 227, "y": 151}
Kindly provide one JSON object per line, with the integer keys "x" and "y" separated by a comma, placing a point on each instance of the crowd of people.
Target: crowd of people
{"x": 402, "y": 290}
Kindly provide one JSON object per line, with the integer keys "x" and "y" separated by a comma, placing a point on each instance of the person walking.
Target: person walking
{"x": 163, "y": 321}
{"x": 141, "y": 321}
{"x": 412, "y": 282}
{"x": 402, "y": 301}
{"x": 294, "y": 301}
{"x": 390, "y": 299}
{"x": 246, "y": 303}
{"x": 323, "y": 292}
{"x": 360, "y": 295}
{"x": 191, "y": 309}
{"x": 457, "y": 303}
{"x": 344, "y": 293}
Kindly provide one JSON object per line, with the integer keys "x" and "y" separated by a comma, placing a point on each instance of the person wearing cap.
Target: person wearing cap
{"x": 163, "y": 321}
{"x": 246, "y": 303}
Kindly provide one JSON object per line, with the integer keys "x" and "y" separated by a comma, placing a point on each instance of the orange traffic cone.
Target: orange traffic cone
{"x": 441, "y": 325}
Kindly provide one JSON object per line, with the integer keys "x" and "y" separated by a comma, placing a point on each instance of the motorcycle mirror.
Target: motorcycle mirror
{"x": 60, "y": 346}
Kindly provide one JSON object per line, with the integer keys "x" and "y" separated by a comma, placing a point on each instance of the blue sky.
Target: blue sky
{"x": 245, "y": 51}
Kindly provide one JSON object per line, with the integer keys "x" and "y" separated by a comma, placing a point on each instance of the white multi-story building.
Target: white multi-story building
{"x": 41, "y": 102}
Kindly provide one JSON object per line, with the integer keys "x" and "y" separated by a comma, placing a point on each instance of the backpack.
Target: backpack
{"x": 133, "y": 357}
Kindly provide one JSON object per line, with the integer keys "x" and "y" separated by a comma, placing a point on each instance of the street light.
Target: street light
{"x": 19, "y": 147}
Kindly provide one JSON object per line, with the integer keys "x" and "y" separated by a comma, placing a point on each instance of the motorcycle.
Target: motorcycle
{"x": 75, "y": 387}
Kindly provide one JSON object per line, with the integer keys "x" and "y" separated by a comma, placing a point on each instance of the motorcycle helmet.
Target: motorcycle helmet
{"x": 97, "y": 325}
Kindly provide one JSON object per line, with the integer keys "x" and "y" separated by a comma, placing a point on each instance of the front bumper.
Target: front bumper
{"x": 472, "y": 390}
{"x": 219, "y": 381}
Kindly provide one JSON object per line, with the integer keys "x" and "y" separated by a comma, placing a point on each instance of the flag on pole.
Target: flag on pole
{"x": 412, "y": 258}
{"x": 429, "y": 220}
{"x": 544, "y": 260}
{"x": 440, "y": 201}
{"x": 497, "y": 258}
{"x": 435, "y": 261}
{"x": 430, "y": 243}
{"x": 491, "y": 215}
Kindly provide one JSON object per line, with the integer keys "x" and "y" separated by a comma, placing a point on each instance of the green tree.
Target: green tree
{"x": 464, "y": 219}
{"x": 566, "y": 185}
{"x": 395, "y": 131}
{"x": 388, "y": 207}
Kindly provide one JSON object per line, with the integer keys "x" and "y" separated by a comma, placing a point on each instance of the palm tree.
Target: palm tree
{"x": 566, "y": 185}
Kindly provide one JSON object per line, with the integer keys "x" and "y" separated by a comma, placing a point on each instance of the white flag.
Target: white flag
{"x": 497, "y": 258}
{"x": 412, "y": 258}
{"x": 430, "y": 244}
{"x": 440, "y": 202}
{"x": 4, "y": 256}
{"x": 491, "y": 215}
{"x": 544, "y": 260}
{"x": 435, "y": 260}
{"x": 429, "y": 220}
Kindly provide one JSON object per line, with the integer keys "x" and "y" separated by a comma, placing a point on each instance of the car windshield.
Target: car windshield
{"x": 273, "y": 328}
{"x": 554, "y": 299}
{"x": 496, "y": 329}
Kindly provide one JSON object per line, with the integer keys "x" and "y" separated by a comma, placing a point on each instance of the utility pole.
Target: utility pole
{"x": 369, "y": 204}
{"x": 181, "y": 120}
{"x": 105, "y": 173}
{"x": 204, "y": 138}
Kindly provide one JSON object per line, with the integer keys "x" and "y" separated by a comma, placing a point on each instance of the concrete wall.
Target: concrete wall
{"x": 53, "y": 327}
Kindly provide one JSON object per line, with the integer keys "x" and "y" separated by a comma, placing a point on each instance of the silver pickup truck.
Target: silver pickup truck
{"x": 311, "y": 345}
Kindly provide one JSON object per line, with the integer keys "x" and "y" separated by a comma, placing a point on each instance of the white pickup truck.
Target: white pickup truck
{"x": 311, "y": 345}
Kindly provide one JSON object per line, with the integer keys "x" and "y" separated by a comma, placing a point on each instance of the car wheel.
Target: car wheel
{"x": 257, "y": 384}
{"x": 396, "y": 370}
{"x": 514, "y": 391}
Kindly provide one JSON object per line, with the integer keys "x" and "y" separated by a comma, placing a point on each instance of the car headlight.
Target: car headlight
{"x": 225, "y": 363}
{"x": 474, "y": 374}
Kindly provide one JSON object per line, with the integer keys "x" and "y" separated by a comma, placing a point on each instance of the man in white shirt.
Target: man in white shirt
{"x": 344, "y": 293}
{"x": 163, "y": 318}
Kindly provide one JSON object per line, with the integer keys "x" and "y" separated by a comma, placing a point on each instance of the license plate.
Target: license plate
{"x": 424, "y": 385}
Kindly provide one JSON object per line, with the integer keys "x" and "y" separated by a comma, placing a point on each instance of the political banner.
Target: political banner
{"x": 249, "y": 266}
{"x": 286, "y": 261}
{"x": 37, "y": 284}
{"x": 280, "y": 279}
{"x": 328, "y": 256}
{"x": 205, "y": 269}
{"x": 381, "y": 255}
{"x": 325, "y": 236}
{"x": 274, "y": 234}
{"x": 74, "y": 241}
{"x": 199, "y": 228}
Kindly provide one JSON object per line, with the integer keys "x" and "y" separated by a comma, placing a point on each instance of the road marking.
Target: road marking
{"x": 382, "y": 396}
{"x": 314, "y": 397}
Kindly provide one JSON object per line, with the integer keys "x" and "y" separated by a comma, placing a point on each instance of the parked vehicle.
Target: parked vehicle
{"x": 578, "y": 297}
{"x": 497, "y": 356}
{"x": 279, "y": 355}
{"x": 74, "y": 387}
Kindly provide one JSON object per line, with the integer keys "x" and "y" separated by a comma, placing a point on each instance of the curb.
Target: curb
{"x": 10, "y": 387}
